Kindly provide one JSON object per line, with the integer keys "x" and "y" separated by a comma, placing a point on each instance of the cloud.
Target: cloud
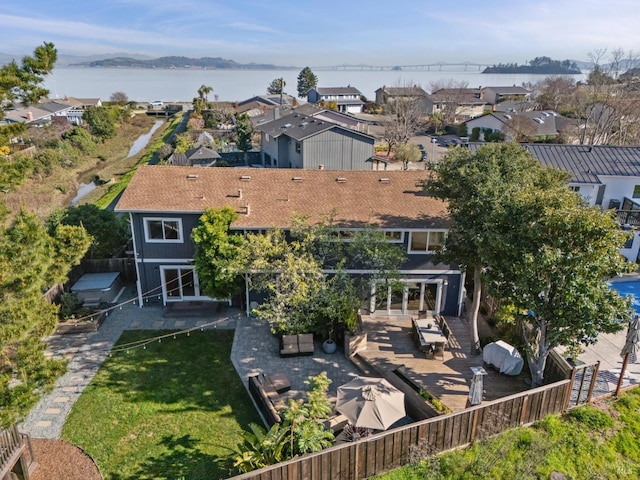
{"x": 253, "y": 27}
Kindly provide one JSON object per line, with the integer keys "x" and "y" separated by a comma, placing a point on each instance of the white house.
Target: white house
{"x": 347, "y": 98}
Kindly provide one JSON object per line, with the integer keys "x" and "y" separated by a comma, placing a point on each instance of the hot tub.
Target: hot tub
{"x": 96, "y": 288}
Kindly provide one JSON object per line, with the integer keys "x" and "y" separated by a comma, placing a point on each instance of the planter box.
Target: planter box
{"x": 71, "y": 327}
{"x": 354, "y": 343}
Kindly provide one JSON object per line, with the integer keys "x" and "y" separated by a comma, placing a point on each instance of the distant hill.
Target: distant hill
{"x": 66, "y": 60}
{"x": 539, "y": 65}
{"x": 176, "y": 62}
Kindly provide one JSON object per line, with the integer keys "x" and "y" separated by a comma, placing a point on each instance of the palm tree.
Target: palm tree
{"x": 204, "y": 91}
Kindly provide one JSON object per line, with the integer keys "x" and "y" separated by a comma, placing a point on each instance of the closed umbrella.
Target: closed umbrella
{"x": 630, "y": 348}
{"x": 370, "y": 403}
{"x": 633, "y": 337}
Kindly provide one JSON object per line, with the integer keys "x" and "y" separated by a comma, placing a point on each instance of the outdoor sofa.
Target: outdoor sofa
{"x": 296, "y": 345}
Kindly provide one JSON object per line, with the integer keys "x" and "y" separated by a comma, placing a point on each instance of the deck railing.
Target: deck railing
{"x": 16, "y": 453}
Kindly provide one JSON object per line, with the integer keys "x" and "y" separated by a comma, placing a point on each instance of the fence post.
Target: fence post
{"x": 594, "y": 379}
{"x": 567, "y": 396}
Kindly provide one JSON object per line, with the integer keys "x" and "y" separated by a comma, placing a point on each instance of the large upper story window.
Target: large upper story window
{"x": 394, "y": 236}
{"x": 163, "y": 230}
{"x": 426, "y": 242}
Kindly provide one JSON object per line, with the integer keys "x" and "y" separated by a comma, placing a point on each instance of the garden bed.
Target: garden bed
{"x": 83, "y": 326}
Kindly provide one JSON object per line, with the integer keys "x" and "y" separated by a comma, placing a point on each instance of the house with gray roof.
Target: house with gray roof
{"x": 495, "y": 95}
{"x": 195, "y": 157}
{"x": 386, "y": 95}
{"x": 347, "y": 98}
{"x": 297, "y": 140}
{"x": 518, "y": 126}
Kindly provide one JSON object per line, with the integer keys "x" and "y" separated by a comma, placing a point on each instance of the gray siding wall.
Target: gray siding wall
{"x": 338, "y": 149}
{"x": 270, "y": 148}
{"x": 146, "y": 250}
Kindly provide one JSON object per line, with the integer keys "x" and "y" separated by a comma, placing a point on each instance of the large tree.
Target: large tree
{"x": 402, "y": 119}
{"x": 276, "y": 87}
{"x": 306, "y": 81}
{"x": 242, "y": 132}
{"x": 22, "y": 83}
{"x": 478, "y": 186}
{"x": 216, "y": 246}
{"x": 31, "y": 260}
{"x": 110, "y": 233}
{"x": 552, "y": 256}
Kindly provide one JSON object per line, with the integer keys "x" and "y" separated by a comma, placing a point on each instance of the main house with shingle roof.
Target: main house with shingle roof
{"x": 165, "y": 203}
{"x": 304, "y": 141}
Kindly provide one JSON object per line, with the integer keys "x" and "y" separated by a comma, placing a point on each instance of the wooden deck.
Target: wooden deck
{"x": 390, "y": 345}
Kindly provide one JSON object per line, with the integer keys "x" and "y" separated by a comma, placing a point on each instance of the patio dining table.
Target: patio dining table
{"x": 428, "y": 332}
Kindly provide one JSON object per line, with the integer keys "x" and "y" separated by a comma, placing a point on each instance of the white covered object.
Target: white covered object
{"x": 504, "y": 357}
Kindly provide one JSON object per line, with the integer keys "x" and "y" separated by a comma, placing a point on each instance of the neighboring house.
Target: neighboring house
{"x": 340, "y": 118}
{"x": 495, "y": 95}
{"x": 460, "y": 104}
{"x": 604, "y": 175}
{"x": 518, "y": 125}
{"x": 42, "y": 113}
{"x": 300, "y": 141}
{"x": 165, "y": 203}
{"x": 347, "y": 98}
{"x": 388, "y": 95}
{"x": 195, "y": 157}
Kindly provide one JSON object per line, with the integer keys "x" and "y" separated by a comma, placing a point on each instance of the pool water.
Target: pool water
{"x": 630, "y": 288}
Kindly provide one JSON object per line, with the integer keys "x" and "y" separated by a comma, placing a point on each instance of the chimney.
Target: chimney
{"x": 294, "y": 103}
{"x": 29, "y": 116}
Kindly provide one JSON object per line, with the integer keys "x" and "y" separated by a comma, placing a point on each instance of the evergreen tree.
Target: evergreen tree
{"x": 306, "y": 81}
{"x": 31, "y": 261}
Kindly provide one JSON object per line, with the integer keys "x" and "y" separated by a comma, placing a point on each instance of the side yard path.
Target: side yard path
{"x": 86, "y": 352}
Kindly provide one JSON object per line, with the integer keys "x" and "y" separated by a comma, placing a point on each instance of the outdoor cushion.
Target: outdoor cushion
{"x": 305, "y": 343}
{"x": 289, "y": 346}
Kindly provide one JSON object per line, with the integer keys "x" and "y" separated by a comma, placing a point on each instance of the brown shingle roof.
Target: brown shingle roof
{"x": 386, "y": 199}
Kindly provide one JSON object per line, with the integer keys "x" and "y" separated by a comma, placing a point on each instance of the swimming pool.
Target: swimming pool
{"x": 629, "y": 288}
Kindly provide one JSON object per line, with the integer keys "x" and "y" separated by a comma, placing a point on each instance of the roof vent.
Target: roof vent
{"x": 296, "y": 179}
{"x": 507, "y": 116}
{"x": 245, "y": 178}
{"x": 192, "y": 176}
{"x": 341, "y": 180}
{"x": 384, "y": 180}
{"x": 286, "y": 125}
{"x": 538, "y": 120}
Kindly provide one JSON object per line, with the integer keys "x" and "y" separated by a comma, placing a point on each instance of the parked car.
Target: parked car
{"x": 156, "y": 103}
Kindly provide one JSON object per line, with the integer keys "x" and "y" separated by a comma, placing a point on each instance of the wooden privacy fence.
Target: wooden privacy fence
{"x": 386, "y": 451}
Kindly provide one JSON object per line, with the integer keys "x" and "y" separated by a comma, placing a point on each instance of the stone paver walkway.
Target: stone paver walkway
{"x": 256, "y": 350}
{"x": 86, "y": 352}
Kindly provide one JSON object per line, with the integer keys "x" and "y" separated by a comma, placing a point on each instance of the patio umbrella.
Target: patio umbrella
{"x": 370, "y": 403}
{"x": 630, "y": 348}
{"x": 633, "y": 337}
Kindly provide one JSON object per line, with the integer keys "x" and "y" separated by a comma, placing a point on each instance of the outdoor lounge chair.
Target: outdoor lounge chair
{"x": 289, "y": 346}
{"x": 305, "y": 344}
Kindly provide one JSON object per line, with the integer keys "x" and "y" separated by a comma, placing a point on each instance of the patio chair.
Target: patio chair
{"x": 438, "y": 350}
{"x": 305, "y": 344}
{"x": 289, "y": 346}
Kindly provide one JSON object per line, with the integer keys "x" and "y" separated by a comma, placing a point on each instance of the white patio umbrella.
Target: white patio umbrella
{"x": 370, "y": 403}
{"x": 630, "y": 348}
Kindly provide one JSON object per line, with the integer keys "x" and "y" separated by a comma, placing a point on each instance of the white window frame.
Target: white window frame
{"x": 147, "y": 236}
{"x": 166, "y": 298}
{"x": 427, "y": 251}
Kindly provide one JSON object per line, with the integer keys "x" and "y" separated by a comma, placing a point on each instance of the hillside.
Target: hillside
{"x": 176, "y": 62}
{"x": 539, "y": 65}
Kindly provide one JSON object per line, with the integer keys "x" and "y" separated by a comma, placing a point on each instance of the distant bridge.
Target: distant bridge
{"x": 436, "y": 67}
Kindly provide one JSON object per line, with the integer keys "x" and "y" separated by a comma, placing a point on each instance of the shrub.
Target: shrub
{"x": 68, "y": 303}
{"x": 475, "y": 134}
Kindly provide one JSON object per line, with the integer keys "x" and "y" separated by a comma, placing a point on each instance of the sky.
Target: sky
{"x": 326, "y": 32}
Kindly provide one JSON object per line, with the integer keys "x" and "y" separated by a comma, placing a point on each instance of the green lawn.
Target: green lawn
{"x": 587, "y": 443}
{"x": 175, "y": 409}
